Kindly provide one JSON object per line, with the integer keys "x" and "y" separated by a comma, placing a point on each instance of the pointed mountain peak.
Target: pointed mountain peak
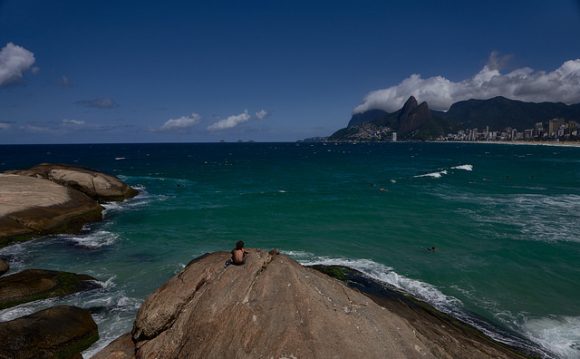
{"x": 412, "y": 101}
{"x": 408, "y": 107}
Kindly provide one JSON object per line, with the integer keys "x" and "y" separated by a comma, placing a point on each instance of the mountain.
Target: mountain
{"x": 417, "y": 121}
{"x": 412, "y": 121}
{"x": 500, "y": 112}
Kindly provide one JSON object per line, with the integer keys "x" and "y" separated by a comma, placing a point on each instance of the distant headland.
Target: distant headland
{"x": 497, "y": 119}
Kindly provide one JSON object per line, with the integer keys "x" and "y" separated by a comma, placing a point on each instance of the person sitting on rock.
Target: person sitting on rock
{"x": 239, "y": 254}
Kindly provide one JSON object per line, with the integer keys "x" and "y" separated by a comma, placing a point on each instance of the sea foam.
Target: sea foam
{"x": 386, "y": 275}
{"x": 93, "y": 240}
{"x": 559, "y": 335}
{"x": 463, "y": 167}
{"x": 433, "y": 174}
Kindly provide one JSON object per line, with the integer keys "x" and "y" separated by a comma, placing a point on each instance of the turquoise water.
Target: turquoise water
{"x": 504, "y": 220}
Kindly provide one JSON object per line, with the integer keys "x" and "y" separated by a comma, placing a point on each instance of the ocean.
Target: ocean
{"x": 504, "y": 221}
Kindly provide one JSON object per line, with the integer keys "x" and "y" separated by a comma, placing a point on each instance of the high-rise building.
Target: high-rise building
{"x": 554, "y": 126}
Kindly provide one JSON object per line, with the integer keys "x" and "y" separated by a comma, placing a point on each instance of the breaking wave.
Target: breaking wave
{"x": 142, "y": 199}
{"x": 433, "y": 174}
{"x": 439, "y": 174}
{"x": 559, "y": 335}
{"x": 463, "y": 167}
{"x": 93, "y": 240}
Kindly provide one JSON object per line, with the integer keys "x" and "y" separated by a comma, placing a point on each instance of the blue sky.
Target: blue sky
{"x": 177, "y": 71}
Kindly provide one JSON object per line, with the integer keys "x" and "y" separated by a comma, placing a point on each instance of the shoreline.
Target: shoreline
{"x": 516, "y": 143}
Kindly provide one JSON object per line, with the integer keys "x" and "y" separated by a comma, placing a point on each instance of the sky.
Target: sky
{"x": 192, "y": 71}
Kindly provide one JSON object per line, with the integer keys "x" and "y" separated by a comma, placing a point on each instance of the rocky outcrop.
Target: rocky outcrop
{"x": 4, "y": 266}
{"x": 51, "y": 198}
{"x": 33, "y": 206}
{"x": 120, "y": 348}
{"x": 270, "y": 307}
{"x": 35, "y": 284}
{"x": 97, "y": 185}
{"x": 58, "y": 332}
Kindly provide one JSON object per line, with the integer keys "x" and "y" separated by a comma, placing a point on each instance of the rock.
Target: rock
{"x": 35, "y": 284}
{"x": 269, "y": 307}
{"x": 120, "y": 348}
{"x": 468, "y": 342}
{"x": 57, "y": 332}
{"x": 34, "y": 206}
{"x": 4, "y": 266}
{"x": 97, "y": 185}
{"x": 274, "y": 307}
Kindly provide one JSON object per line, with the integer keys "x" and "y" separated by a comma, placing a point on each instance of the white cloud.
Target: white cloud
{"x": 4, "y": 125}
{"x": 525, "y": 84}
{"x": 230, "y": 122}
{"x": 262, "y": 114}
{"x": 181, "y": 123}
{"x": 66, "y": 122}
{"x": 14, "y": 61}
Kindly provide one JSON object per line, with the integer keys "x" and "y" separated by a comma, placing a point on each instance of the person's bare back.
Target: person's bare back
{"x": 239, "y": 254}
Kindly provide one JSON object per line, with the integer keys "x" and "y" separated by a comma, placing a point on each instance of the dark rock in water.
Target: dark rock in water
{"x": 4, "y": 266}
{"x": 97, "y": 185}
{"x": 57, "y": 332}
{"x": 34, "y": 206}
{"x": 35, "y": 284}
{"x": 120, "y": 348}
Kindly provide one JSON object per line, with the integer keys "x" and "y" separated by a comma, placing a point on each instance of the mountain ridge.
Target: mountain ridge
{"x": 418, "y": 121}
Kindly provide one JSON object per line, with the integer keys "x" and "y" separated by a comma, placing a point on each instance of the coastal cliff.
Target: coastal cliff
{"x": 274, "y": 307}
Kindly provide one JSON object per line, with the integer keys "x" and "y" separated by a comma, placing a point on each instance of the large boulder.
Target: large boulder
{"x": 35, "y": 284}
{"x": 120, "y": 348}
{"x": 4, "y": 266}
{"x": 97, "y": 185}
{"x": 272, "y": 307}
{"x": 57, "y": 332}
{"x": 34, "y": 206}
{"x": 269, "y": 307}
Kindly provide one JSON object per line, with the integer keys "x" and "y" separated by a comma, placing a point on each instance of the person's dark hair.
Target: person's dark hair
{"x": 240, "y": 244}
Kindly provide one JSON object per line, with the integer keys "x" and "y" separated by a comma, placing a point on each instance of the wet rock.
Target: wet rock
{"x": 120, "y": 348}
{"x": 97, "y": 185}
{"x": 35, "y": 284}
{"x": 57, "y": 332}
